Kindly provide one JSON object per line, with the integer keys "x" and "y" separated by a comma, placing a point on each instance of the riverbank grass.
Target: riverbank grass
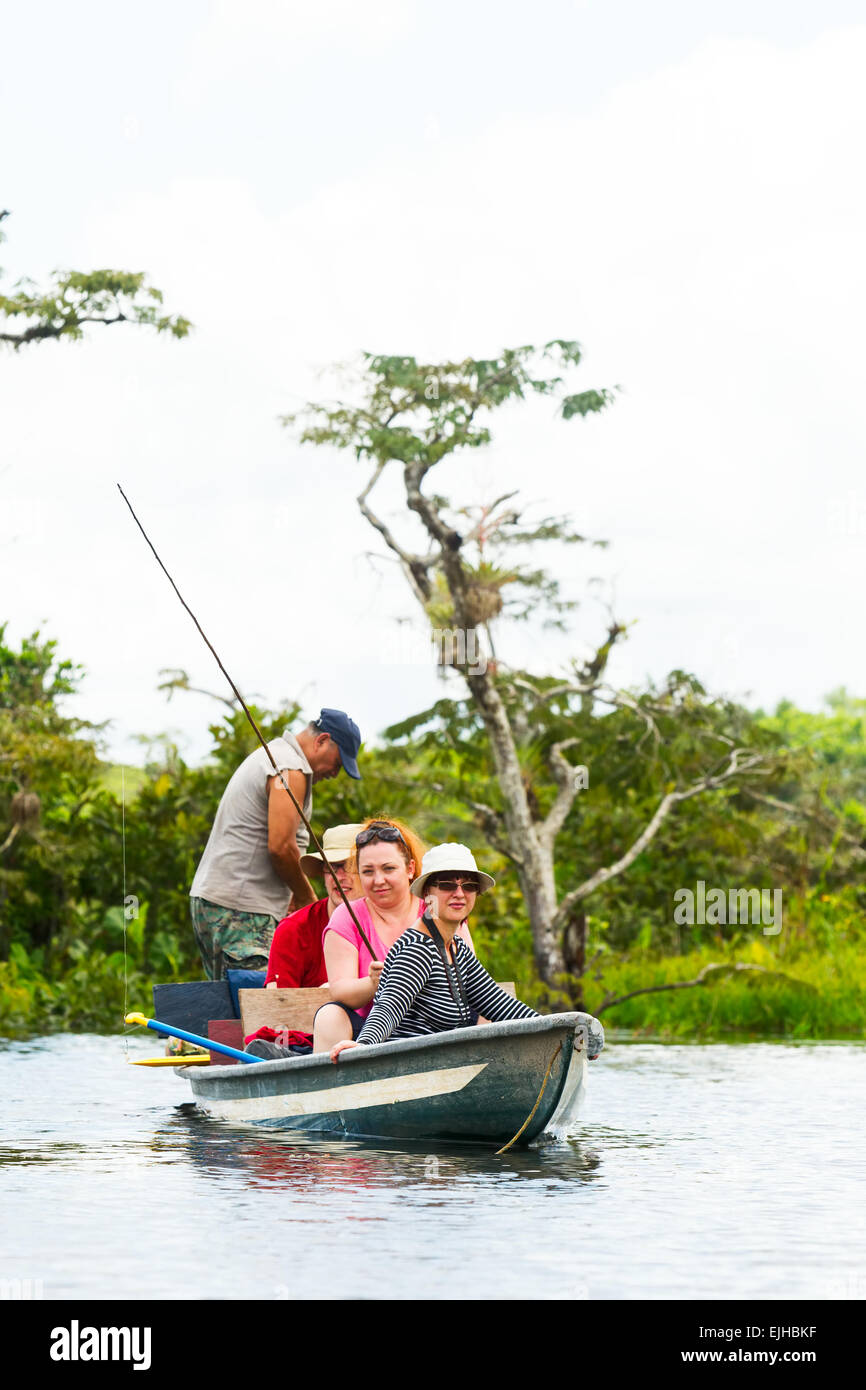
{"x": 809, "y": 982}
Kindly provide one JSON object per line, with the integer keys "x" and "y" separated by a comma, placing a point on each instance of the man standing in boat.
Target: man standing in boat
{"x": 250, "y": 874}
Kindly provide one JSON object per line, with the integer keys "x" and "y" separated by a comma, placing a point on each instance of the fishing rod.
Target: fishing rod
{"x": 257, "y": 730}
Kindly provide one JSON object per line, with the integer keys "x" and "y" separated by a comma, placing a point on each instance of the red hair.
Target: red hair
{"x": 411, "y": 846}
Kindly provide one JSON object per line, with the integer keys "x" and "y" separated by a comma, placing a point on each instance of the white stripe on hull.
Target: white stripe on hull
{"x": 391, "y": 1090}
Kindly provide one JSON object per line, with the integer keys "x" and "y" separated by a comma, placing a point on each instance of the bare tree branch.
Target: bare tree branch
{"x": 702, "y": 978}
{"x": 605, "y": 695}
{"x": 415, "y": 567}
{"x": 801, "y": 813}
{"x": 179, "y": 680}
{"x": 541, "y": 697}
{"x": 774, "y": 802}
{"x": 590, "y": 672}
{"x": 663, "y": 810}
{"x": 10, "y": 839}
{"x": 622, "y": 700}
{"x": 489, "y": 522}
{"x": 563, "y": 773}
{"x": 447, "y": 538}
{"x": 491, "y": 824}
{"x": 51, "y": 330}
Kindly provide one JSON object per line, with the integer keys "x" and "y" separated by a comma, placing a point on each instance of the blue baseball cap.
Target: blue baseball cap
{"x": 347, "y": 736}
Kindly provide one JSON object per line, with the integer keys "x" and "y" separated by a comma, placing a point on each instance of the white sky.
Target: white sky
{"x": 678, "y": 186}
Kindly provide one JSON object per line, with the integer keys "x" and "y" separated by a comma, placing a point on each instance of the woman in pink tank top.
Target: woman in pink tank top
{"x": 387, "y": 853}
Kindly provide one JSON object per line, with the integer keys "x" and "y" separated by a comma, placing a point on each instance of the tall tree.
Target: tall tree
{"x": 413, "y": 416}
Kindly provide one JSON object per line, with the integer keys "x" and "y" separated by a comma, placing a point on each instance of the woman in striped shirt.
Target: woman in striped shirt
{"x": 431, "y": 982}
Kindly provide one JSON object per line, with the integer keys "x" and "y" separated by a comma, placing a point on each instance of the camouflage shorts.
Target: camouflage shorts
{"x": 231, "y": 940}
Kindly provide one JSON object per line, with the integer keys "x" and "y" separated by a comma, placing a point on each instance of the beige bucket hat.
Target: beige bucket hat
{"x": 338, "y": 842}
{"x": 443, "y": 859}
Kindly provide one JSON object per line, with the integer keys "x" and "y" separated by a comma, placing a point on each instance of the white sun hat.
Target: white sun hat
{"x": 452, "y": 858}
{"x": 338, "y": 842}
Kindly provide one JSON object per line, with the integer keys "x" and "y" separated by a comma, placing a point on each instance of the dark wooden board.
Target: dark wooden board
{"x": 191, "y": 1006}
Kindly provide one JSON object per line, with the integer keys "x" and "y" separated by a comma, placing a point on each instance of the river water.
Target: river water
{"x": 718, "y": 1171}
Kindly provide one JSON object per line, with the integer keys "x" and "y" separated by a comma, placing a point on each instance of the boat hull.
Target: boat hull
{"x": 471, "y": 1084}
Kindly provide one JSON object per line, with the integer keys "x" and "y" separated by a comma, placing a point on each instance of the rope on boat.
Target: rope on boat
{"x": 535, "y": 1106}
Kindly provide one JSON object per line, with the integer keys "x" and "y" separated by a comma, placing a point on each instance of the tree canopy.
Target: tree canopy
{"x": 75, "y": 299}
{"x": 74, "y": 832}
{"x": 410, "y": 416}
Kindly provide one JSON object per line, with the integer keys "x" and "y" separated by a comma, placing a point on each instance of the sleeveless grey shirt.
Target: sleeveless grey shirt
{"x": 236, "y": 870}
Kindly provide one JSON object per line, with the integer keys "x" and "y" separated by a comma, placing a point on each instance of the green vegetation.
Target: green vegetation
{"x": 77, "y": 298}
{"x": 67, "y": 947}
{"x": 808, "y": 983}
{"x": 594, "y": 807}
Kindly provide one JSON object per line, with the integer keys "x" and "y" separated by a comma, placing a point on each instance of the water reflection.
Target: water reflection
{"x": 320, "y": 1164}
{"x": 49, "y": 1153}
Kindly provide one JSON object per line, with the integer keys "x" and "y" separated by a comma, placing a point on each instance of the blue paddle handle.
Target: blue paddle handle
{"x": 202, "y": 1042}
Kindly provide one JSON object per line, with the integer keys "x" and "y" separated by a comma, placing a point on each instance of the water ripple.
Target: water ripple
{"x": 712, "y": 1171}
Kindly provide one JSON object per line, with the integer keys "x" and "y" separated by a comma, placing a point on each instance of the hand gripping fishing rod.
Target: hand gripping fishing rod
{"x": 258, "y": 733}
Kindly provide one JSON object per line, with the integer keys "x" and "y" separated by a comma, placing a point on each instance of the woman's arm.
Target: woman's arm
{"x": 341, "y": 963}
{"x": 485, "y": 995}
{"x": 407, "y": 970}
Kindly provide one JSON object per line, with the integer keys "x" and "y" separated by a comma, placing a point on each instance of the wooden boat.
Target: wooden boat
{"x": 471, "y": 1084}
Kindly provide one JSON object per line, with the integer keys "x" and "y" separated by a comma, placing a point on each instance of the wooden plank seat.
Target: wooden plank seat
{"x": 280, "y": 1008}
{"x": 292, "y": 1008}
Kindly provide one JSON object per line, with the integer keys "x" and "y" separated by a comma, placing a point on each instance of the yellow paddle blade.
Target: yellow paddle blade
{"x": 193, "y": 1059}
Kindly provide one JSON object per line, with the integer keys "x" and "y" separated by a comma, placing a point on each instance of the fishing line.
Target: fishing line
{"x": 258, "y": 733}
{"x": 125, "y": 955}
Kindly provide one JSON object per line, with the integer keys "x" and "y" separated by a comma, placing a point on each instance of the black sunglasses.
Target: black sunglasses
{"x": 448, "y": 885}
{"x": 379, "y": 830}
